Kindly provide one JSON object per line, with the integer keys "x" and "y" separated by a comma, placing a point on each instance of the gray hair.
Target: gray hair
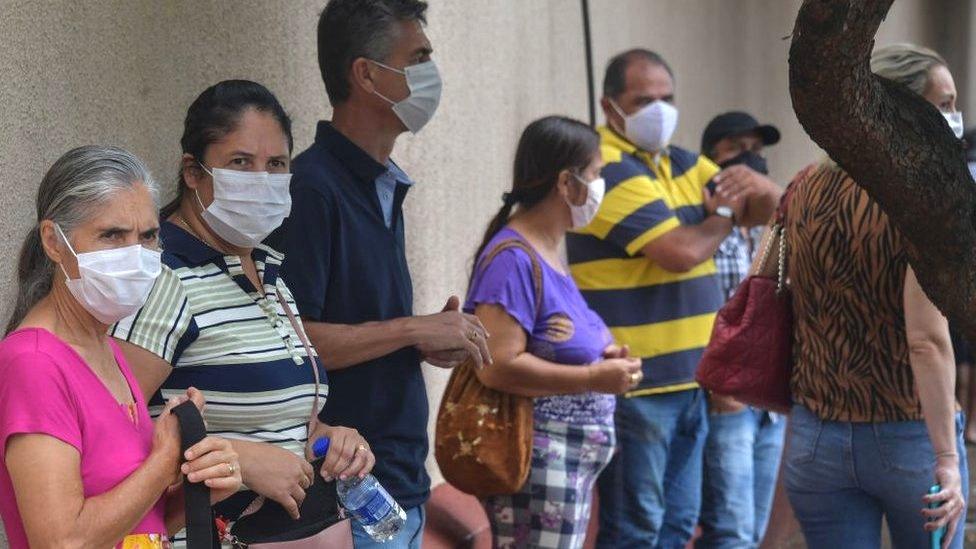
{"x": 906, "y": 64}
{"x": 81, "y": 181}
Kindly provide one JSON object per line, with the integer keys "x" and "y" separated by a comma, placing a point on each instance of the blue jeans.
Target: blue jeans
{"x": 742, "y": 456}
{"x": 843, "y": 477}
{"x": 408, "y": 538}
{"x": 651, "y": 491}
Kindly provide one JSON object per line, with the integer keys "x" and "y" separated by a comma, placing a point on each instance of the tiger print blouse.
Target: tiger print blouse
{"x": 847, "y": 266}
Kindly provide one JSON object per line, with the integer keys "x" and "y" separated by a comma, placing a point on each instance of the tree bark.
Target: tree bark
{"x": 893, "y": 143}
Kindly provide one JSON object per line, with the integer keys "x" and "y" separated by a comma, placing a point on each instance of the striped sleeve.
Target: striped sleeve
{"x": 706, "y": 170}
{"x": 162, "y": 325}
{"x": 634, "y": 211}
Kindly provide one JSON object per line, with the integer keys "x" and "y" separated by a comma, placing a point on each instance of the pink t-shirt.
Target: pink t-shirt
{"x": 46, "y": 388}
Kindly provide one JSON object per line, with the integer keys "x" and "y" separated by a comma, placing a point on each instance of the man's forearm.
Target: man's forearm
{"x": 684, "y": 248}
{"x": 343, "y": 345}
{"x": 704, "y": 239}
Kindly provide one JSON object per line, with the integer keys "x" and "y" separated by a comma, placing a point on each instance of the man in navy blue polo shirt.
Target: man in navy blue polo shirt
{"x": 345, "y": 251}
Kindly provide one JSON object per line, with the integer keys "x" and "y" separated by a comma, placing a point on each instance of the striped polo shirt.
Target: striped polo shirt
{"x": 665, "y": 317}
{"x": 228, "y": 339}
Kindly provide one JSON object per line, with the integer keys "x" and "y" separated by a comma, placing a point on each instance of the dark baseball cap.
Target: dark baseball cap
{"x": 735, "y": 123}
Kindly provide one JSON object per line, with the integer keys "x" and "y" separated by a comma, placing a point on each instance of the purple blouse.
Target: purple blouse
{"x": 564, "y": 331}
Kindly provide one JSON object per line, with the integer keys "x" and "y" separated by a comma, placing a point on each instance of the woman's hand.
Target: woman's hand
{"x": 214, "y": 462}
{"x": 348, "y": 456}
{"x": 275, "y": 473}
{"x": 953, "y": 504}
{"x": 616, "y": 351}
{"x": 166, "y": 432}
{"x": 615, "y": 375}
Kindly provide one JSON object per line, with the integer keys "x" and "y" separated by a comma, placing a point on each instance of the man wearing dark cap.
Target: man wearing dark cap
{"x": 743, "y": 447}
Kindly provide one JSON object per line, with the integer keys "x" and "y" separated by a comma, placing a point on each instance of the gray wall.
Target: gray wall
{"x": 123, "y": 72}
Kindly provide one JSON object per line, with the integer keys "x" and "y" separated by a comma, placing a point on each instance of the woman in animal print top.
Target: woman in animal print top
{"x": 875, "y": 422}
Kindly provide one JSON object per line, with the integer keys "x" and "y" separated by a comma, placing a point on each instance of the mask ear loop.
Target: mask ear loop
{"x": 620, "y": 112}
{"x": 196, "y": 192}
{"x": 581, "y": 181}
{"x": 389, "y": 68}
{"x": 70, "y": 249}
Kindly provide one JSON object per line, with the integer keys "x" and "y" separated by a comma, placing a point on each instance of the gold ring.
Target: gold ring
{"x": 635, "y": 377}
{"x": 472, "y": 336}
{"x": 361, "y": 448}
{"x": 231, "y": 469}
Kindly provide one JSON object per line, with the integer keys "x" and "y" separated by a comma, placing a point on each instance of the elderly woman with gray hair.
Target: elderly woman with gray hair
{"x": 81, "y": 462}
{"x": 875, "y": 425}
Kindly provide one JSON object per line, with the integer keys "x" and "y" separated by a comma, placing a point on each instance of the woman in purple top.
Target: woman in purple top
{"x": 551, "y": 347}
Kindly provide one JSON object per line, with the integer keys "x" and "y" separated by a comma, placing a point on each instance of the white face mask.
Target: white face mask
{"x": 424, "y": 82}
{"x": 247, "y": 206}
{"x": 115, "y": 283}
{"x": 582, "y": 215}
{"x": 954, "y": 119}
{"x": 652, "y": 126}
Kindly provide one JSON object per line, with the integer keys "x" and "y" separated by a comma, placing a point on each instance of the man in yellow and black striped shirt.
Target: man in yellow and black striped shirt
{"x": 645, "y": 265}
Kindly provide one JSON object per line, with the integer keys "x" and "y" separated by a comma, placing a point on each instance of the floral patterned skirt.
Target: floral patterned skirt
{"x": 553, "y": 508}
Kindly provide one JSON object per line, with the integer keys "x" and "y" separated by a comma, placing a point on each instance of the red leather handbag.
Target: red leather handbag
{"x": 750, "y": 354}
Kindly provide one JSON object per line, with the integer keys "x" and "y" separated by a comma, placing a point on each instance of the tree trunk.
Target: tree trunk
{"x": 893, "y": 143}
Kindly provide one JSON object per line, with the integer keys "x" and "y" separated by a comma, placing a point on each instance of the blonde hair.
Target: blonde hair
{"x": 906, "y": 64}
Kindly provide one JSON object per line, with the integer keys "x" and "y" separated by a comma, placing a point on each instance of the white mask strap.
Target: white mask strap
{"x": 65, "y": 238}
{"x": 196, "y": 193}
{"x": 387, "y": 67}
{"x": 71, "y": 249}
{"x": 620, "y": 111}
{"x": 617, "y": 108}
{"x": 384, "y": 98}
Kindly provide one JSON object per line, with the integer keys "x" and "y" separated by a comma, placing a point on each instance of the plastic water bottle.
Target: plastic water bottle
{"x": 368, "y": 502}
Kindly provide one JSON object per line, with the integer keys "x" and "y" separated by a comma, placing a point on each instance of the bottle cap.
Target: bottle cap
{"x": 320, "y": 447}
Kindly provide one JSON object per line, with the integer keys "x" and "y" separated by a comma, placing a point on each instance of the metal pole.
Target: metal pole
{"x": 589, "y": 61}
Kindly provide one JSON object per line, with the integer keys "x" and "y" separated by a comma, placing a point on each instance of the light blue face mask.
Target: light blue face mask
{"x": 424, "y": 82}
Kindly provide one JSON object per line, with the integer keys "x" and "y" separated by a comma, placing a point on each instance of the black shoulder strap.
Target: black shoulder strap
{"x": 200, "y": 529}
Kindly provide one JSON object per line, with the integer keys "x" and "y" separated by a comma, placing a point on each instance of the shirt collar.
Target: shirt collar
{"x": 609, "y": 137}
{"x": 180, "y": 243}
{"x": 177, "y": 241}
{"x": 362, "y": 165}
{"x": 397, "y": 174}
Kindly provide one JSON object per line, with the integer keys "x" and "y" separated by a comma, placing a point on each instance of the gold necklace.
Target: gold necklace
{"x": 182, "y": 221}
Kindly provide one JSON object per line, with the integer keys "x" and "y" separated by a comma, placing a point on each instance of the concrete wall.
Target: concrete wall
{"x": 123, "y": 72}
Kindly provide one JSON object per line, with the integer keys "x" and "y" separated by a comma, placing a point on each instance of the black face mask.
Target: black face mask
{"x": 749, "y": 158}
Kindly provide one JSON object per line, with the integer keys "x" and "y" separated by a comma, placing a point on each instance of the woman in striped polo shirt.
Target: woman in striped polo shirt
{"x": 215, "y": 319}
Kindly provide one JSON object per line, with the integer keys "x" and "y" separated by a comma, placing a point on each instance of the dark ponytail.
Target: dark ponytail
{"x": 547, "y": 147}
{"x": 215, "y": 113}
{"x": 34, "y": 274}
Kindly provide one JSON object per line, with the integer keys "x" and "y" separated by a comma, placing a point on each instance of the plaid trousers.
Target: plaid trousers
{"x": 552, "y": 510}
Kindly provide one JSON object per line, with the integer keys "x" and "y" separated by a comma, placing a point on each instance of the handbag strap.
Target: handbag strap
{"x": 257, "y": 502}
{"x": 308, "y": 351}
{"x": 777, "y": 229}
{"x": 200, "y": 528}
{"x": 510, "y": 243}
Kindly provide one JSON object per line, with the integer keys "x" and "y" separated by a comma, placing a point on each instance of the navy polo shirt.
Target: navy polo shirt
{"x": 345, "y": 266}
